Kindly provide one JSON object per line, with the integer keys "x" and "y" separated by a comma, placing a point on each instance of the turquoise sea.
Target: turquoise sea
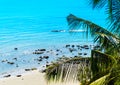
{"x": 31, "y": 33}
{"x": 29, "y": 27}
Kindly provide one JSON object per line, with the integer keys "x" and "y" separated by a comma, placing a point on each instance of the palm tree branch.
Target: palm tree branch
{"x": 95, "y": 30}
{"x": 59, "y": 69}
{"x": 98, "y": 3}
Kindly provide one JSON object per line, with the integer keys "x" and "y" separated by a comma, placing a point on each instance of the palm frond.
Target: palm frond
{"x": 114, "y": 78}
{"x": 68, "y": 70}
{"x": 101, "y": 64}
{"x": 115, "y": 16}
{"x": 108, "y": 44}
{"x": 98, "y": 3}
{"x": 76, "y": 23}
{"x": 112, "y": 9}
{"x": 104, "y": 37}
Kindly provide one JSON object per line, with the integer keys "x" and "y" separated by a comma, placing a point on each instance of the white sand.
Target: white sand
{"x": 31, "y": 78}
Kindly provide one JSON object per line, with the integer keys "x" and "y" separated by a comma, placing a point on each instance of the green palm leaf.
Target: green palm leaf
{"x": 115, "y": 16}
{"x": 98, "y": 3}
{"x": 102, "y": 36}
{"x": 101, "y": 64}
{"x": 108, "y": 43}
{"x": 100, "y": 81}
{"x": 112, "y": 8}
{"x": 76, "y": 23}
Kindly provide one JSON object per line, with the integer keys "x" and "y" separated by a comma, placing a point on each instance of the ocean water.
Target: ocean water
{"x": 31, "y": 33}
{"x": 28, "y": 25}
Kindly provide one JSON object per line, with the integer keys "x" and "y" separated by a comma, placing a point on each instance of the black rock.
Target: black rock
{"x": 27, "y": 69}
{"x": 85, "y": 53}
{"x": 19, "y": 75}
{"x": 10, "y": 63}
{"x": 39, "y": 59}
{"x": 41, "y": 49}
{"x": 79, "y": 53}
{"x": 38, "y": 52}
{"x": 57, "y": 50}
{"x": 15, "y": 48}
{"x": 75, "y": 56}
{"x": 14, "y": 58}
{"x": 58, "y": 31}
{"x": 73, "y": 46}
{"x": 57, "y": 54}
{"x": 43, "y": 71}
{"x": 46, "y": 57}
{"x": 4, "y": 60}
{"x": 67, "y": 45}
{"x": 7, "y": 75}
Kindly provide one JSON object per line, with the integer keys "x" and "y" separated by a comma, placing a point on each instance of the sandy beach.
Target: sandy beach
{"x": 31, "y": 78}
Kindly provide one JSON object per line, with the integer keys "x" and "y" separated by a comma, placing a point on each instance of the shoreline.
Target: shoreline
{"x": 35, "y": 71}
{"x": 32, "y": 78}
{"x": 21, "y": 72}
{"x": 28, "y": 78}
{"x": 41, "y": 58}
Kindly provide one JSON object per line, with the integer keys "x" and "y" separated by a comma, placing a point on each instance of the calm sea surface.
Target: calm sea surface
{"x": 31, "y": 33}
{"x": 28, "y": 25}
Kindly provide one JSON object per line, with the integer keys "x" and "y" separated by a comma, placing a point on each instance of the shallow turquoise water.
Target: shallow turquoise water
{"x": 27, "y": 25}
{"x": 30, "y": 33}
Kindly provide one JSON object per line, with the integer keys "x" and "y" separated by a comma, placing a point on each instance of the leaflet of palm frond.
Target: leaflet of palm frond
{"x": 115, "y": 16}
{"x": 111, "y": 39}
{"x": 115, "y": 25}
{"x": 98, "y": 3}
{"x": 104, "y": 44}
{"x": 65, "y": 70}
{"x": 100, "y": 81}
{"x": 114, "y": 78}
{"x": 51, "y": 70}
{"x": 112, "y": 9}
{"x": 109, "y": 9}
{"x": 107, "y": 43}
{"x": 101, "y": 64}
{"x": 90, "y": 27}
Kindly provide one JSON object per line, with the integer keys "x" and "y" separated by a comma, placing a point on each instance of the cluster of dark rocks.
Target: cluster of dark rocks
{"x": 19, "y": 75}
{"x": 41, "y": 58}
{"x": 73, "y": 48}
{"x": 39, "y": 51}
{"x": 58, "y": 31}
{"x": 83, "y": 46}
{"x": 79, "y": 46}
{"x": 9, "y": 75}
{"x": 30, "y": 69}
{"x": 9, "y": 62}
